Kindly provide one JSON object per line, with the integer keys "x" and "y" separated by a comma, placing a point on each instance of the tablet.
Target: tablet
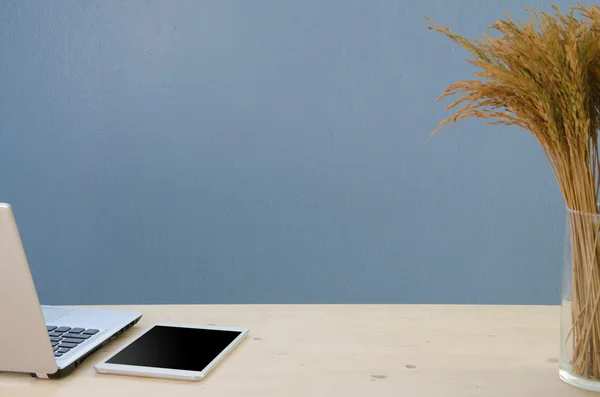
{"x": 174, "y": 351}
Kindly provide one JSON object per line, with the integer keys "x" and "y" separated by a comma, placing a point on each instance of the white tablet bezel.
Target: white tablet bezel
{"x": 134, "y": 370}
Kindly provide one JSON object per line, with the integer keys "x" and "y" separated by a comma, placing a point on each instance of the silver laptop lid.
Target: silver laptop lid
{"x": 24, "y": 343}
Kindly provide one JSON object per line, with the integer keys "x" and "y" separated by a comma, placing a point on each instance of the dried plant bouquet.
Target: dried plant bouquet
{"x": 544, "y": 75}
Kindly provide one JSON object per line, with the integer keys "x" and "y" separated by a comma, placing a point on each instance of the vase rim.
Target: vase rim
{"x": 569, "y": 210}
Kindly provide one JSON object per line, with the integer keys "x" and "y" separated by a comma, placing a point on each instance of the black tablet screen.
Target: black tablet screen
{"x": 187, "y": 349}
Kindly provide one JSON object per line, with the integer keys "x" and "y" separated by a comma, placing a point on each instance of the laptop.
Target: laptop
{"x": 45, "y": 341}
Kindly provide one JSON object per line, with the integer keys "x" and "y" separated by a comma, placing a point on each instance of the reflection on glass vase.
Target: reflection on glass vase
{"x": 580, "y": 305}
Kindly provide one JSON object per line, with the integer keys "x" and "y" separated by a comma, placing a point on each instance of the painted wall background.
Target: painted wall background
{"x": 268, "y": 151}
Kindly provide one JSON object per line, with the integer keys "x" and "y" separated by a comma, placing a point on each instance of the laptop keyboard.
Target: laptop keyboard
{"x": 64, "y": 339}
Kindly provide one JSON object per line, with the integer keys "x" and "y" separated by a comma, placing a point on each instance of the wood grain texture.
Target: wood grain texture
{"x": 347, "y": 350}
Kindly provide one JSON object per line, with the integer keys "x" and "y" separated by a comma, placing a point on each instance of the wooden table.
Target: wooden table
{"x": 346, "y": 350}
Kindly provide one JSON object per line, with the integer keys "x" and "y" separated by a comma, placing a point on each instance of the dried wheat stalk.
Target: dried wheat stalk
{"x": 544, "y": 75}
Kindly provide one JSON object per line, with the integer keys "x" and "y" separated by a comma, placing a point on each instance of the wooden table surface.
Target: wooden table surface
{"x": 346, "y": 350}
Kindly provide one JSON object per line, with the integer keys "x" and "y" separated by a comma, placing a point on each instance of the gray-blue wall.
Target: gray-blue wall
{"x": 265, "y": 151}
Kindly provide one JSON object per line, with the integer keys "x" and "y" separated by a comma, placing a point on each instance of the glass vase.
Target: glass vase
{"x": 579, "y": 363}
